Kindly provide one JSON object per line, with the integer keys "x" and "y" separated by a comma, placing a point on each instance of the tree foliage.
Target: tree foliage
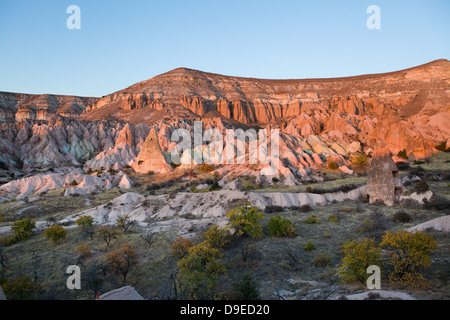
{"x": 198, "y": 272}
{"x": 246, "y": 221}
{"x": 216, "y": 236}
{"x": 56, "y": 233}
{"x": 407, "y": 256}
{"x": 281, "y": 227}
{"x": 22, "y": 229}
{"x": 358, "y": 256}
{"x": 123, "y": 260}
{"x": 23, "y": 288}
{"x": 180, "y": 247}
{"x": 108, "y": 233}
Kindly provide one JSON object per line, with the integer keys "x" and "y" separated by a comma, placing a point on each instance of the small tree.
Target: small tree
{"x": 22, "y": 229}
{"x": 23, "y": 288}
{"x": 74, "y": 183}
{"x": 180, "y": 247}
{"x": 123, "y": 260}
{"x": 56, "y": 233}
{"x": 124, "y": 223}
{"x": 107, "y": 233}
{"x": 217, "y": 237}
{"x": 331, "y": 165}
{"x": 85, "y": 221}
{"x": 247, "y": 288}
{"x": 84, "y": 250}
{"x": 245, "y": 220}
{"x": 407, "y": 256}
{"x": 198, "y": 272}
{"x": 358, "y": 256}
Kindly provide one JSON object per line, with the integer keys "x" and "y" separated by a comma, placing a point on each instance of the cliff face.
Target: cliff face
{"x": 396, "y": 107}
{"x": 20, "y": 107}
{"x": 407, "y": 109}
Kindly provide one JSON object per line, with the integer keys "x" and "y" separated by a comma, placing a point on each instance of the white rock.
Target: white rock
{"x": 124, "y": 293}
{"x": 440, "y": 224}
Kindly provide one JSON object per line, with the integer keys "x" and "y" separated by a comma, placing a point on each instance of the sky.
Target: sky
{"x": 124, "y": 42}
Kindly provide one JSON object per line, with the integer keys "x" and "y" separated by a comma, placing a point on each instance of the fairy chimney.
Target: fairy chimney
{"x": 151, "y": 157}
{"x": 383, "y": 180}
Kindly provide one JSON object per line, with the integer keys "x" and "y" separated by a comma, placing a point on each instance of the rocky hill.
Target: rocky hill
{"x": 318, "y": 118}
{"x": 408, "y": 108}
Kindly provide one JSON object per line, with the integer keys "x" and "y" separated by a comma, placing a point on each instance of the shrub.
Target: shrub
{"x": 443, "y": 147}
{"x": 309, "y": 246}
{"x": 123, "y": 260}
{"x": 198, "y": 272}
{"x": 247, "y": 288}
{"x": 281, "y": 227}
{"x": 74, "y": 183}
{"x": 206, "y": 167}
{"x": 271, "y": 209}
{"x": 401, "y": 216}
{"x": 407, "y": 256}
{"x": 331, "y": 165}
{"x": 358, "y": 256}
{"x": 22, "y": 229}
{"x": 215, "y": 186}
{"x": 107, "y": 233}
{"x": 421, "y": 187}
{"x": 334, "y": 218}
{"x": 85, "y": 221}
{"x": 124, "y": 223}
{"x": 55, "y": 233}
{"x": 322, "y": 260}
{"x": 245, "y": 220}
{"x": 217, "y": 237}
{"x": 306, "y": 208}
{"x": 275, "y": 180}
{"x": 23, "y": 288}
{"x": 312, "y": 219}
{"x": 402, "y": 165}
{"x": 360, "y": 160}
{"x": 402, "y": 154}
{"x": 375, "y": 224}
{"x": 84, "y": 250}
{"x": 180, "y": 247}
{"x": 89, "y": 171}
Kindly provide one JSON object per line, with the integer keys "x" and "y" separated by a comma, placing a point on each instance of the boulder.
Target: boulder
{"x": 124, "y": 293}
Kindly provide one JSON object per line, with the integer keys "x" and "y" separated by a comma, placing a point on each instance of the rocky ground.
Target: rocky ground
{"x": 180, "y": 203}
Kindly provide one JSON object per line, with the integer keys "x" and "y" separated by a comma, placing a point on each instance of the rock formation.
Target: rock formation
{"x": 124, "y": 293}
{"x": 151, "y": 157}
{"x": 383, "y": 180}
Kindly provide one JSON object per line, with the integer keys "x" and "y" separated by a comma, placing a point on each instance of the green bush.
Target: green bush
{"x": 271, "y": 209}
{"x": 306, "y": 208}
{"x": 322, "y": 260}
{"x": 56, "y": 233}
{"x": 22, "y": 229}
{"x": 309, "y": 246}
{"x": 401, "y": 216}
{"x": 85, "y": 221}
{"x": 358, "y": 256}
{"x": 421, "y": 187}
{"x": 312, "y": 219}
{"x": 247, "y": 288}
{"x": 216, "y": 236}
{"x": 245, "y": 220}
{"x": 215, "y": 186}
{"x": 407, "y": 256}
{"x": 281, "y": 227}
{"x": 74, "y": 183}
{"x": 23, "y": 288}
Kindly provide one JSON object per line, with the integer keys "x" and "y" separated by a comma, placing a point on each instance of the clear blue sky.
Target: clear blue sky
{"x": 124, "y": 42}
